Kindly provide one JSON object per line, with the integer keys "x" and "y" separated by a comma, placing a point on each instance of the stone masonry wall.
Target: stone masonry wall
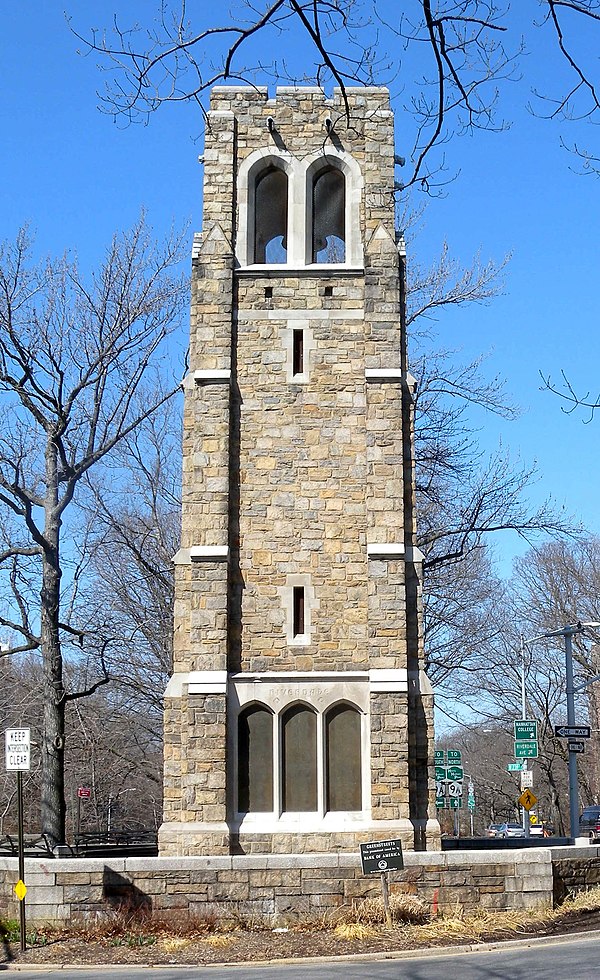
{"x": 284, "y": 886}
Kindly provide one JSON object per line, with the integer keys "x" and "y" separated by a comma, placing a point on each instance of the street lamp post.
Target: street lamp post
{"x": 568, "y": 632}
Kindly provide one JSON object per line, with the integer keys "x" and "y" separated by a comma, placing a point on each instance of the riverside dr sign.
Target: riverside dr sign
{"x": 17, "y": 747}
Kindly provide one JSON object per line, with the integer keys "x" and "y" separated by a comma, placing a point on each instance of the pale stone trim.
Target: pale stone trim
{"x": 383, "y": 374}
{"x": 320, "y": 690}
{"x": 297, "y": 323}
{"x": 246, "y": 187}
{"x": 207, "y": 682}
{"x": 388, "y": 681}
{"x": 209, "y": 552}
{"x": 212, "y": 377}
{"x": 284, "y": 315}
{"x": 300, "y": 175}
{"x": 197, "y": 682}
{"x": 343, "y": 161}
{"x": 383, "y": 551}
{"x": 311, "y": 823}
{"x": 414, "y": 554}
{"x": 286, "y": 593}
{"x": 279, "y": 270}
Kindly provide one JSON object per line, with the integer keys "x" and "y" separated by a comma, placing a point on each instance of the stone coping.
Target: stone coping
{"x": 529, "y": 855}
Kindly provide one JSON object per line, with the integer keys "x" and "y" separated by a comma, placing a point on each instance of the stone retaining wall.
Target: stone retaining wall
{"x": 287, "y": 886}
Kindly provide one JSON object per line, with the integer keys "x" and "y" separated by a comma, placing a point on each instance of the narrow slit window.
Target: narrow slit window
{"x": 298, "y": 611}
{"x": 298, "y": 353}
{"x": 268, "y": 292}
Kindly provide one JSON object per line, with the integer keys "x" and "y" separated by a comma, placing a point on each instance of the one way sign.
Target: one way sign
{"x": 572, "y": 731}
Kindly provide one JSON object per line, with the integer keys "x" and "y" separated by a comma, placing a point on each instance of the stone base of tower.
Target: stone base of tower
{"x": 193, "y": 840}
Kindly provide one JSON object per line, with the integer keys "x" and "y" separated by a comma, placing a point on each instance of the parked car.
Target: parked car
{"x": 511, "y": 830}
{"x": 589, "y": 823}
{"x": 492, "y": 830}
{"x": 541, "y": 830}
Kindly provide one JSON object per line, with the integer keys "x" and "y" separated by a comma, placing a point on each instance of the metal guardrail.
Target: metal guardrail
{"x": 501, "y": 843}
{"x": 84, "y": 845}
{"x": 35, "y": 846}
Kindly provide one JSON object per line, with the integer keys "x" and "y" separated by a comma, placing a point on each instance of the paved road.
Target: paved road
{"x": 574, "y": 959}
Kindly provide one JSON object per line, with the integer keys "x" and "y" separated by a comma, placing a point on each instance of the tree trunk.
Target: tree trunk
{"x": 53, "y": 807}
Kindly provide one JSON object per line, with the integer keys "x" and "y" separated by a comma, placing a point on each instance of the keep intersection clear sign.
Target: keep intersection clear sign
{"x": 379, "y": 856}
{"x": 17, "y": 746}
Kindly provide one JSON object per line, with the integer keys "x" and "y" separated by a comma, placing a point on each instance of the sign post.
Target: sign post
{"x": 17, "y": 750}
{"x": 382, "y": 856}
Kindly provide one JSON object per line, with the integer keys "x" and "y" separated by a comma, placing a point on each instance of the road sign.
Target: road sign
{"x": 526, "y": 779}
{"x": 455, "y": 788}
{"x": 572, "y": 731}
{"x": 20, "y": 889}
{"x": 576, "y": 746}
{"x": 454, "y": 756}
{"x": 526, "y": 750}
{"x": 84, "y": 792}
{"x": 440, "y": 802}
{"x": 471, "y": 803}
{"x": 455, "y": 803}
{"x": 514, "y": 766}
{"x": 380, "y": 856}
{"x": 455, "y": 772}
{"x": 17, "y": 744}
{"x": 440, "y": 772}
{"x": 528, "y": 799}
{"x": 526, "y": 730}
{"x": 439, "y": 757}
{"x": 440, "y": 788}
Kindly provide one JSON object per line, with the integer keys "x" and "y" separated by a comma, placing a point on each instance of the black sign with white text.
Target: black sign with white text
{"x": 379, "y": 856}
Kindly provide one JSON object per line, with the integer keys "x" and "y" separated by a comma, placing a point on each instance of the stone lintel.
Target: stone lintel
{"x": 383, "y": 551}
{"x": 207, "y": 377}
{"x": 382, "y": 680}
{"x": 383, "y": 374}
{"x": 209, "y": 552}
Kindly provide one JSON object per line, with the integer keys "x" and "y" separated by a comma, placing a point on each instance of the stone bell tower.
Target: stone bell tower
{"x": 298, "y": 717}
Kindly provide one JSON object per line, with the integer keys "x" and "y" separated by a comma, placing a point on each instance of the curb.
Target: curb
{"x": 404, "y": 954}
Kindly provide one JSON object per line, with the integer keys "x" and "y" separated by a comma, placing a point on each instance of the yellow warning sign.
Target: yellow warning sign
{"x": 528, "y": 799}
{"x": 20, "y": 890}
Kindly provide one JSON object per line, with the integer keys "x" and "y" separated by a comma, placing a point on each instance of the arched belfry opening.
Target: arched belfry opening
{"x": 298, "y": 716}
{"x": 328, "y": 216}
{"x": 271, "y": 216}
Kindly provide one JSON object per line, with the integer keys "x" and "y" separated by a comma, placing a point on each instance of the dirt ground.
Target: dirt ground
{"x": 160, "y": 947}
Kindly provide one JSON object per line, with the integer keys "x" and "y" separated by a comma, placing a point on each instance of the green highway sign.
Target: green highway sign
{"x": 455, "y": 803}
{"x": 440, "y": 802}
{"x": 454, "y": 756}
{"x": 439, "y": 757}
{"x": 455, "y": 772}
{"x": 526, "y": 750}
{"x": 471, "y": 803}
{"x": 525, "y": 730}
{"x": 514, "y": 767}
{"x": 440, "y": 773}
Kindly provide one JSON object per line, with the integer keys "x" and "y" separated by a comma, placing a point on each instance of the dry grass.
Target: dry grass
{"x": 247, "y": 937}
{"x": 354, "y": 931}
{"x": 217, "y": 941}
{"x": 403, "y": 908}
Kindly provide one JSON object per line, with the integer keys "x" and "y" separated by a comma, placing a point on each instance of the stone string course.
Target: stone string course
{"x": 285, "y": 887}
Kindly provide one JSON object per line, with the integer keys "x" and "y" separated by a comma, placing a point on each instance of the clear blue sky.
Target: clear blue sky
{"x": 76, "y": 177}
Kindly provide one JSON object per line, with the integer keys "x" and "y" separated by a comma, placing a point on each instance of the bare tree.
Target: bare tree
{"x": 77, "y": 376}
{"x": 455, "y": 58}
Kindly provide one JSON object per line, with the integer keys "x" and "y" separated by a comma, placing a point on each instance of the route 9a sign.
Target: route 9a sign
{"x": 17, "y": 749}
